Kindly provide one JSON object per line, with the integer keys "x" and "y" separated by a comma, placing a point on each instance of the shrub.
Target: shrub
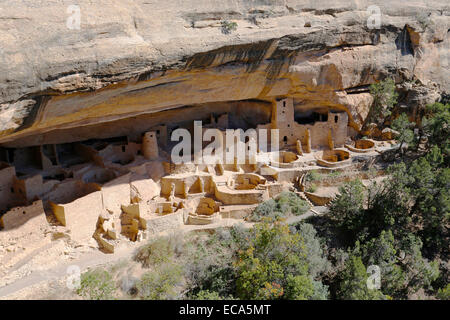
{"x": 289, "y": 202}
{"x": 335, "y": 174}
{"x": 313, "y": 176}
{"x": 405, "y": 128}
{"x": 161, "y": 283}
{"x": 266, "y": 209}
{"x": 312, "y": 188}
{"x": 286, "y": 203}
{"x": 97, "y": 284}
{"x": 347, "y": 208}
{"x": 444, "y": 293}
{"x": 274, "y": 265}
{"x": 228, "y": 27}
{"x": 316, "y": 257}
{"x": 209, "y": 265}
{"x": 207, "y": 295}
{"x": 159, "y": 251}
{"x": 384, "y": 99}
{"x": 353, "y": 285}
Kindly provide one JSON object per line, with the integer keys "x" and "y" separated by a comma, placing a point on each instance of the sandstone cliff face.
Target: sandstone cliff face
{"x": 129, "y": 58}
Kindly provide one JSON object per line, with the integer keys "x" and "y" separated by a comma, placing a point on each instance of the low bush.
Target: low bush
{"x": 97, "y": 284}
{"x": 313, "y": 176}
{"x": 161, "y": 283}
{"x": 289, "y": 202}
{"x": 228, "y": 26}
{"x": 285, "y": 204}
{"x": 159, "y": 251}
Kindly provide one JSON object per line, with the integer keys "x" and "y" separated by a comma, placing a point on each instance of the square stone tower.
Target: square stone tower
{"x": 283, "y": 119}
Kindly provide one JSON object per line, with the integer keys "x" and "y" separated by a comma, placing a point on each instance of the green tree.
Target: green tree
{"x": 389, "y": 203}
{"x": 404, "y": 127}
{"x": 436, "y": 127}
{"x": 274, "y": 265}
{"x": 381, "y": 251}
{"x": 353, "y": 285}
{"x": 431, "y": 200}
{"x": 318, "y": 263}
{"x": 420, "y": 273}
{"x": 347, "y": 208}
{"x": 384, "y": 99}
{"x": 209, "y": 266}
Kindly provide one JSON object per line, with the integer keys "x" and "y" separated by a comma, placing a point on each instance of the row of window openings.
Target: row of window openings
{"x": 336, "y": 119}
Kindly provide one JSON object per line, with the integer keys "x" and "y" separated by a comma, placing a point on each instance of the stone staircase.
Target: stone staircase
{"x": 304, "y": 197}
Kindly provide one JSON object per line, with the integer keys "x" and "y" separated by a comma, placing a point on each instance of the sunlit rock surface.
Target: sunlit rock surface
{"x": 131, "y": 58}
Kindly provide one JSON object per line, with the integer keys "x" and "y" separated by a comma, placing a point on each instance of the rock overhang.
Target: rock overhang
{"x": 124, "y": 68}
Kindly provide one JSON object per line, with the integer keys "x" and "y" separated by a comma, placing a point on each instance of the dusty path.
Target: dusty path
{"x": 125, "y": 251}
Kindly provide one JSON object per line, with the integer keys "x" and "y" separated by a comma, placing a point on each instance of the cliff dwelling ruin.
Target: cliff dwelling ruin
{"x": 125, "y": 186}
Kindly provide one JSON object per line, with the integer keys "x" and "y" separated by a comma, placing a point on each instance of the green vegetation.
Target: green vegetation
{"x": 313, "y": 176}
{"x": 335, "y": 174}
{"x": 158, "y": 251}
{"x": 228, "y": 26}
{"x": 436, "y": 129}
{"x": 269, "y": 261}
{"x": 97, "y": 284}
{"x": 406, "y": 133}
{"x": 347, "y": 207}
{"x": 312, "y": 188}
{"x": 287, "y": 203}
{"x": 274, "y": 265}
{"x": 384, "y": 99}
{"x": 444, "y": 293}
{"x": 399, "y": 226}
{"x": 353, "y": 285}
{"x": 161, "y": 283}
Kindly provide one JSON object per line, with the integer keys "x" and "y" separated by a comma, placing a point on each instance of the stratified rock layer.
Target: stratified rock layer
{"x": 131, "y": 58}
